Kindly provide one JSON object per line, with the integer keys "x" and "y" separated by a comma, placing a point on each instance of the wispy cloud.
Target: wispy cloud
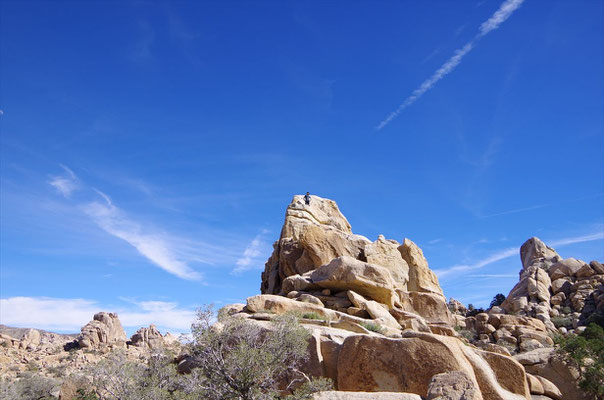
{"x": 69, "y": 315}
{"x": 513, "y": 251}
{"x": 66, "y": 183}
{"x": 504, "y": 12}
{"x": 172, "y": 253}
{"x": 253, "y": 255}
{"x": 155, "y": 247}
{"x": 434, "y": 241}
{"x": 498, "y": 256}
{"x": 577, "y": 239}
{"x": 517, "y": 210}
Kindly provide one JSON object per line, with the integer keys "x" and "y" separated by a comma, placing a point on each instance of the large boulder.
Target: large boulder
{"x": 545, "y": 365}
{"x": 421, "y": 277}
{"x": 375, "y": 364}
{"x": 104, "y": 329}
{"x": 385, "y": 253}
{"x": 347, "y": 273}
{"x": 454, "y": 385}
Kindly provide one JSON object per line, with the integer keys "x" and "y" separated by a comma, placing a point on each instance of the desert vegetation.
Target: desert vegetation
{"x": 228, "y": 358}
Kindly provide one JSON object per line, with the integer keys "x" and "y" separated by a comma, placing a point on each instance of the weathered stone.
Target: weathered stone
{"x": 105, "y": 328}
{"x": 371, "y": 363}
{"x": 307, "y": 298}
{"x": 385, "y": 253}
{"x": 455, "y": 385}
{"x": 366, "y": 279}
{"x": 421, "y": 278}
{"x": 566, "y": 267}
{"x": 431, "y": 306}
{"x": 585, "y": 272}
{"x": 148, "y": 337}
{"x": 281, "y": 305}
{"x": 549, "y": 389}
{"x": 535, "y": 385}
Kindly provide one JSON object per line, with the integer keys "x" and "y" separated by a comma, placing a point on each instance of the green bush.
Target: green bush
{"x": 373, "y": 327}
{"x": 561, "y": 321}
{"x": 586, "y": 353}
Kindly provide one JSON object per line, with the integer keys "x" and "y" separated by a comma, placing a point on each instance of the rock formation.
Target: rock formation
{"x": 318, "y": 257}
{"x": 379, "y": 319}
{"x": 104, "y": 329}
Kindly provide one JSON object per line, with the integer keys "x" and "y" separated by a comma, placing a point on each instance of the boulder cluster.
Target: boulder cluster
{"x": 32, "y": 349}
{"x": 553, "y": 296}
{"x": 381, "y": 327}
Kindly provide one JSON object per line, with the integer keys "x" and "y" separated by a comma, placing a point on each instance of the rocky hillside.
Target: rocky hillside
{"x": 380, "y": 321}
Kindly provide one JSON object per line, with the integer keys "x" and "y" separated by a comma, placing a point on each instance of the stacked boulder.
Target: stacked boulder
{"x": 318, "y": 260}
{"x": 378, "y": 317}
{"x": 553, "y": 295}
{"x": 104, "y": 330}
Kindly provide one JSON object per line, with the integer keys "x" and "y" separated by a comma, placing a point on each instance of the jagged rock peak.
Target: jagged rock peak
{"x": 317, "y": 251}
{"x": 534, "y": 250}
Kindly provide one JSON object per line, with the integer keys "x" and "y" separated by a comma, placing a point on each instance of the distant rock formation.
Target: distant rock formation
{"x": 104, "y": 329}
{"x": 151, "y": 338}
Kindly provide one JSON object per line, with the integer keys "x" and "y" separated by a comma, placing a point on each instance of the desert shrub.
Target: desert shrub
{"x": 311, "y": 315}
{"x": 566, "y": 310}
{"x": 243, "y": 360}
{"x": 562, "y": 321}
{"x": 373, "y": 327}
{"x": 117, "y": 378}
{"x": 58, "y": 371}
{"x": 465, "y": 333}
{"x": 586, "y": 353}
{"x": 28, "y": 386}
{"x": 498, "y": 299}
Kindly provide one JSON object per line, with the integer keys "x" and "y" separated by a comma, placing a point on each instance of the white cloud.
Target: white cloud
{"x": 253, "y": 255}
{"x": 65, "y": 184}
{"x": 47, "y": 313}
{"x": 498, "y": 256}
{"x": 505, "y": 10}
{"x": 155, "y": 247}
{"x": 577, "y": 239}
{"x": 69, "y": 315}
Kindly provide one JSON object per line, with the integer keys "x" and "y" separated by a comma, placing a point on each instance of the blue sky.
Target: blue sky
{"x": 149, "y": 149}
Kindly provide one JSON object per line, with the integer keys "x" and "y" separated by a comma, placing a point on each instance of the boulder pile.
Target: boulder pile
{"x": 378, "y": 316}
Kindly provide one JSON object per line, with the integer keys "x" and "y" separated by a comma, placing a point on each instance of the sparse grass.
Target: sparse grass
{"x": 32, "y": 367}
{"x": 373, "y": 327}
{"x": 312, "y": 315}
{"x": 465, "y": 333}
{"x": 58, "y": 371}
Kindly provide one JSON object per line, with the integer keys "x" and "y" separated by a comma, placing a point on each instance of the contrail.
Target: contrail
{"x": 504, "y": 12}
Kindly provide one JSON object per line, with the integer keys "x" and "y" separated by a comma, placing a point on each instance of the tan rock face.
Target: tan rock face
{"x": 334, "y": 395}
{"x": 368, "y": 363}
{"x": 455, "y": 385}
{"x": 386, "y": 254}
{"x": 421, "y": 278}
{"x": 105, "y": 328}
{"x": 148, "y": 337}
{"x": 347, "y": 273}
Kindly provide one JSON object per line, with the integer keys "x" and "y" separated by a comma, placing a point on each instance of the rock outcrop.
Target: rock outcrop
{"x": 318, "y": 259}
{"x": 379, "y": 320}
{"x": 150, "y": 338}
{"x": 104, "y": 329}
